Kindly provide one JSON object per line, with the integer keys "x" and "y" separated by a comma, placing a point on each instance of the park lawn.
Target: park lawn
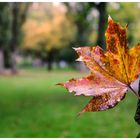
{"x": 31, "y": 105}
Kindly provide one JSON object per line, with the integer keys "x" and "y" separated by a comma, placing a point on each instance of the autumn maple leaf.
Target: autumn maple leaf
{"x": 111, "y": 72}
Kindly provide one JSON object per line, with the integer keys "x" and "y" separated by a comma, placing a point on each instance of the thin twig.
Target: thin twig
{"x": 134, "y": 92}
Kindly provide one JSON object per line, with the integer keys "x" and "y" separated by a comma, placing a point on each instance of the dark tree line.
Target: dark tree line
{"x": 12, "y": 16}
{"x": 102, "y": 8}
{"x": 80, "y": 14}
{"x": 4, "y": 32}
{"x": 19, "y": 12}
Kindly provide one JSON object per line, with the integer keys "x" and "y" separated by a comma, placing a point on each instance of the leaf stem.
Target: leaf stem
{"x": 134, "y": 92}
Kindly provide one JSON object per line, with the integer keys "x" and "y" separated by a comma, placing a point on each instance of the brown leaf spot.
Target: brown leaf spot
{"x": 111, "y": 44}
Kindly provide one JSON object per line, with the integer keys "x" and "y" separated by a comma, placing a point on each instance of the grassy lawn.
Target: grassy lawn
{"x": 32, "y": 106}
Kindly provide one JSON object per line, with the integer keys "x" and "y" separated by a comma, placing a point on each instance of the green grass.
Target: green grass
{"x": 31, "y": 105}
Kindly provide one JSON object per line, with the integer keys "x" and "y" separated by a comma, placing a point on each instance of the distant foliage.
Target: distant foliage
{"x": 47, "y": 30}
{"x": 5, "y": 25}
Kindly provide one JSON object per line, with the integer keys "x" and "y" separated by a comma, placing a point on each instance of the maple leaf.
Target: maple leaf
{"x": 111, "y": 72}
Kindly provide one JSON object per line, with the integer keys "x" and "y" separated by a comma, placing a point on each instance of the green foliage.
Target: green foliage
{"x": 79, "y": 13}
{"x": 9, "y": 21}
{"x": 12, "y": 16}
{"x": 18, "y": 14}
{"x": 5, "y": 24}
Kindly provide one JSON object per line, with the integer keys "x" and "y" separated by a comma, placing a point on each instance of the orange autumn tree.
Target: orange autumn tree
{"x": 111, "y": 72}
{"x": 48, "y": 33}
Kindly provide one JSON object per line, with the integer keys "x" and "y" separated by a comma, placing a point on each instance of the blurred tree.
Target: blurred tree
{"x": 81, "y": 12}
{"x": 49, "y": 34}
{"x": 18, "y": 13}
{"x": 67, "y": 54}
{"x": 4, "y": 31}
{"x": 102, "y": 8}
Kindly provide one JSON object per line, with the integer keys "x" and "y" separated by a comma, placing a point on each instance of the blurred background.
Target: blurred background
{"x": 36, "y": 52}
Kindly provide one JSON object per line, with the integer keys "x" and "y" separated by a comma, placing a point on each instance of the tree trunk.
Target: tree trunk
{"x": 102, "y": 24}
{"x": 13, "y": 63}
{"x": 49, "y": 65}
{"x": 15, "y": 35}
{"x": 1, "y": 61}
{"x": 7, "y": 59}
{"x": 50, "y": 59}
{"x": 19, "y": 12}
{"x": 137, "y": 115}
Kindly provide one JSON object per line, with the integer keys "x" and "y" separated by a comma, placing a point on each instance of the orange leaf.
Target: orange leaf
{"x": 112, "y": 72}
